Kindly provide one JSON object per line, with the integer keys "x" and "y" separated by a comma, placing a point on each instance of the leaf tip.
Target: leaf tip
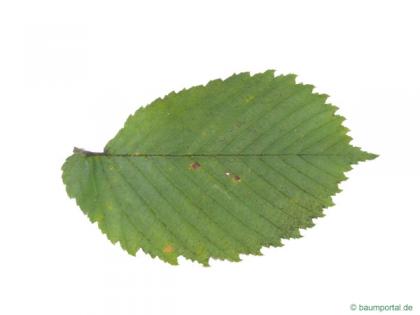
{"x": 366, "y": 156}
{"x": 371, "y": 156}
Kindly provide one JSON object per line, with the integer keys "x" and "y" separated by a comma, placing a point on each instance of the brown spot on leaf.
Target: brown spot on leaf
{"x": 233, "y": 177}
{"x": 195, "y": 166}
{"x": 168, "y": 249}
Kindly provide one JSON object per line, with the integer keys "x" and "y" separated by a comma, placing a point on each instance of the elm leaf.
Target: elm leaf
{"x": 216, "y": 171}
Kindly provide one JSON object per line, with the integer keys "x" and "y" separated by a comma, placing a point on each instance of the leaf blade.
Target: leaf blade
{"x": 216, "y": 171}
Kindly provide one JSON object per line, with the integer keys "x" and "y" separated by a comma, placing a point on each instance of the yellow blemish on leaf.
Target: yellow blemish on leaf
{"x": 249, "y": 98}
{"x": 168, "y": 249}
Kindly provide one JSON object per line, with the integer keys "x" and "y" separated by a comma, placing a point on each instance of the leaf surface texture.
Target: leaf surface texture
{"x": 216, "y": 171}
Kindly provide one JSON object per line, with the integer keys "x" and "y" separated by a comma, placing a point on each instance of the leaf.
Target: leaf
{"x": 216, "y": 171}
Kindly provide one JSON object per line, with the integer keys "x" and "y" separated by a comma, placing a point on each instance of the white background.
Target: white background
{"x": 72, "y": 71}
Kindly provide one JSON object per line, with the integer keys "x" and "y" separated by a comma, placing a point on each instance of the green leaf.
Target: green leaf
{"x": 216, "y": 171}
